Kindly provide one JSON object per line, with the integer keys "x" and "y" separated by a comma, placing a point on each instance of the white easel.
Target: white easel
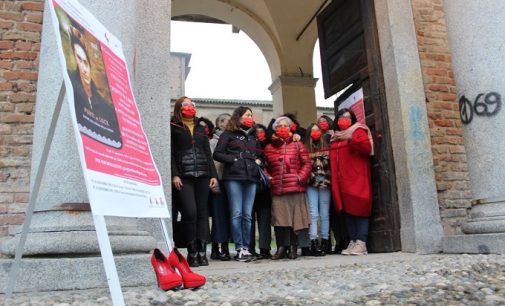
{"x": 99, "y": 221}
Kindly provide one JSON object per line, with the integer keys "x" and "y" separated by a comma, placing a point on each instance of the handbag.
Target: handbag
{"x": 264, "y": 180}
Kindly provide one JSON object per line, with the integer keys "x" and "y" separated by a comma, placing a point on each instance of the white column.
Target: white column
{"x": 295, "y": 94}
{"x": 474, "y": 29}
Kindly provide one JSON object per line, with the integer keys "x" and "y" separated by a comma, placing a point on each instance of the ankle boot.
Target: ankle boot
{"x": 293, "y": 252}
{"x": 214, "y": 253}
{"x": 280, "y": 254}
{"x": 324, "y": 246}
{"x": 192, "y": 254}
{"x": 265, "y": 254}
{"x": 328, "y": 249}
{"x": 306, "y": 251}
{"x": 202, "y": 253}
{"x": 315, "y": 248}
{"x": 225, "y": 252}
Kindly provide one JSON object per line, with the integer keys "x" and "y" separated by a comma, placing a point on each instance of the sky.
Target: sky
{"x": 227, "y": 65}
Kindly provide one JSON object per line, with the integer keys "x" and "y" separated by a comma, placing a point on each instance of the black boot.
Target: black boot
{"x": 214, "y": 253}
{"x": 324, "y": 246}
{"x": 280, "y": 254}
{"x": 265, "y": 254}
{"x": 292, "y": 252}
{"x": 225, "y": 252}
{"x": 327, "y": 249}
{"x": 202, "y": 253}
{"x": 192, "y": 254}
{"x": 315, "y": 248}
{"x": 306, "y": 251}
{"x": 254, "y": 254}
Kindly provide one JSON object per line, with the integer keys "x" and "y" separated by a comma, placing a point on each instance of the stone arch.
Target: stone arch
{"x": 243, "y": 19}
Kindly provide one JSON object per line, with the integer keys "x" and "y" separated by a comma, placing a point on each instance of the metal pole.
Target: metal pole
{"x": 13, "y": 274}
{"x": 108, "y": 261}
{"x": 165, "y": 235}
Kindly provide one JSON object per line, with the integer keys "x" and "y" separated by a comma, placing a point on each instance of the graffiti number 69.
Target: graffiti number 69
{"x": 488, "y": 107}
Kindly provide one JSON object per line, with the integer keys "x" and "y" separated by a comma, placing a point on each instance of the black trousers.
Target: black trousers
{"x": 262, "y": 213}
{"x": 338, "y": 227}
{"x": 193, "y": 198}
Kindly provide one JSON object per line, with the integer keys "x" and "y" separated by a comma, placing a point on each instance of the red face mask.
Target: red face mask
{"x": 248, "y": 122}
{"x": 261, "y": 135}
{"x": 293, "y": 127}
{"x": 315, "y": 135}
{"x": 188, "y": 111}
{"x": 324, "y": 125}
{"x": 282, "y": 132}
{"x": 344, "y": 123}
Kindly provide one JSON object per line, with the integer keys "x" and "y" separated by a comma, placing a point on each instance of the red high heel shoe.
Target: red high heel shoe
{"x": 165, "y": 275}
{"x": 189, "y": 278}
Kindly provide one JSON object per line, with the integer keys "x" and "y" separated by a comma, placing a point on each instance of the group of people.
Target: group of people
{"x": 240, "y": 172}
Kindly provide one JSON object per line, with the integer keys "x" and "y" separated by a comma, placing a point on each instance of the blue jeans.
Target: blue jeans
{"x": 319, "y": 206}
{"x": 357, "y": 227}
{"x": 241, "y": 199}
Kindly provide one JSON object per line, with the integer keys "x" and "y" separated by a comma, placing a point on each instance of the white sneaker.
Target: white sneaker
{"x": 347, "y": 251}
{"x": 243, "y": 255}
{"x": 359, "y": 248}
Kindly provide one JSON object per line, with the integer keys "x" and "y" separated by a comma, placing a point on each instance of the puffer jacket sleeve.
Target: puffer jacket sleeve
{"x": 305, "y": 164}
{"x": 210, "y": 160}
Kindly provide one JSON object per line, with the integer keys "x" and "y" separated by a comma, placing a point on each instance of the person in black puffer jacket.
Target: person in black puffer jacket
{"x": 237, "y": 149}
{"x": 193, "y": 173}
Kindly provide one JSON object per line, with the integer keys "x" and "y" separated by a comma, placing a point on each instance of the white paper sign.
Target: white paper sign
{"x": 119, "y": 170}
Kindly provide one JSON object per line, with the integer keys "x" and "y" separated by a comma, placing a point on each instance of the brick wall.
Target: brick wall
{"x": 447, "y": 141}
{"x": 20, "y": 31}
{"x": 20, "y": 27}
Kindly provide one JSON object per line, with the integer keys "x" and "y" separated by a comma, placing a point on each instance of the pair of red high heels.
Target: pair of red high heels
{"x": 165, "y": 271}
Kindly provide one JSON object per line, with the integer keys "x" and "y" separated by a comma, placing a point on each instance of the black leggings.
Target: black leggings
{"x": 193, "y": 198}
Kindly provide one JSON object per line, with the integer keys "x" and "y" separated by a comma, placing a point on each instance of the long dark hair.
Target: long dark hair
{"x": 209, "y": 125}
{"x": 234, "y": 123}
{"x": 177, "y": 109}
{"x": 343, "y": 111}
{"x": 309, "y": 143}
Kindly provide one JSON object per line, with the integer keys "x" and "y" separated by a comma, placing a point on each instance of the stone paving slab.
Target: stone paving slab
{"x": 375, "y": 279}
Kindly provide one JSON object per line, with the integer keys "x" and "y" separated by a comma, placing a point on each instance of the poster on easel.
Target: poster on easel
{"x": 120, "y": 174}
{"x": 356, "y": 104}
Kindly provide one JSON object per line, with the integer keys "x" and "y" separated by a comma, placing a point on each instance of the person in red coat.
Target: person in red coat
{"x": 289, "y": 166}
{"x": 350, "y": 149}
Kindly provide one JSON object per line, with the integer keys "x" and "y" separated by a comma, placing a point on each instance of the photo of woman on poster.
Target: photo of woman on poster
{"x": 94, "y": 110}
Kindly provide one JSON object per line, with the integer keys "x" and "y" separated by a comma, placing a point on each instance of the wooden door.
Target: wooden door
{"x": 350, "y": 56}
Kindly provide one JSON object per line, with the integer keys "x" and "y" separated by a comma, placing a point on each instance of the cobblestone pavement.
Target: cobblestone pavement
{"x": 376, "y": 279}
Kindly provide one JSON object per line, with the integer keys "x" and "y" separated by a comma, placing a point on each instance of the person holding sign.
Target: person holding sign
{"x": 193, "y": 173}
{"x": 350, "y": 149}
